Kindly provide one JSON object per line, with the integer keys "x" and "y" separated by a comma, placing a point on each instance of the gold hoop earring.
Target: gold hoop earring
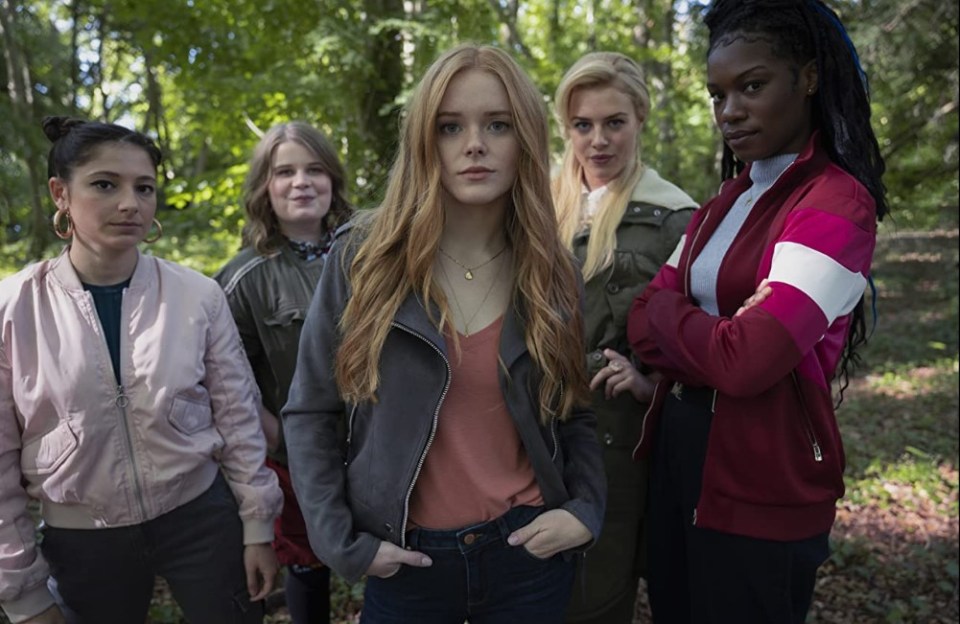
{"x": 62, "y": 234}
{"x": 159, "y": 233}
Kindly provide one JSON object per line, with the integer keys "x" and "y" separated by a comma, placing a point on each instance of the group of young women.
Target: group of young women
{"x": 499, "y": 400}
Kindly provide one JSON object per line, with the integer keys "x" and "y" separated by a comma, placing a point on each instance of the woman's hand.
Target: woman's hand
{"x": 261, "y": 565}
{"x": 390, "y": 557}
{"x": 620, "y": 374}
{"x": 759, "y": 296}
{"x": 551, "y": 532}
{"x": 271, "y": 428}
{"x": 50, "y": 616}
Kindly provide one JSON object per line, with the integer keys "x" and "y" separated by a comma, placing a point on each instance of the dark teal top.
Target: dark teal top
{"x": 108, "y": 300}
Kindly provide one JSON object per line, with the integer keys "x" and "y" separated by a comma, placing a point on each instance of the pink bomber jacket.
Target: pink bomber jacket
{"x": 97, "y": 455}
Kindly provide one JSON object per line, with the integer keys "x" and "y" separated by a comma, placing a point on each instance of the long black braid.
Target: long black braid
{"x": 800, "y": 31}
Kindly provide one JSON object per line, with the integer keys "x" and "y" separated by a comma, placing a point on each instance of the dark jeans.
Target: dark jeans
{"x": 476, "y": 576}
{"x": 106, "y": 576}
{"x": 699, "y": 575}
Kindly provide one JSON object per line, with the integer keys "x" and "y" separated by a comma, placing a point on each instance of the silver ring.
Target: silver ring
{"x": 616, "y": 366}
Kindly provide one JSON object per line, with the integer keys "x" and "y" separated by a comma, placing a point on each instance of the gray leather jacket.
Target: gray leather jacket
{"x": 353, "y": 499}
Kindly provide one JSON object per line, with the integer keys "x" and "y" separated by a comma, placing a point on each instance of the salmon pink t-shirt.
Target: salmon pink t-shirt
{"x": 476, "y": 469}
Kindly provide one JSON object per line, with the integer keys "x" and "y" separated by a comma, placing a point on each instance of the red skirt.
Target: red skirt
{"x": 290, "y": 532}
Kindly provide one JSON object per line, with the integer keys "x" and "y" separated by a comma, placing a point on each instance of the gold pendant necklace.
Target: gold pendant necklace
{"x": 468, "y": 271}
{"x": 456, "y": 300}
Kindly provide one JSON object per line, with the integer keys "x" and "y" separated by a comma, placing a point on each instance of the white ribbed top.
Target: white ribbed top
{"x": 704, "y": 270}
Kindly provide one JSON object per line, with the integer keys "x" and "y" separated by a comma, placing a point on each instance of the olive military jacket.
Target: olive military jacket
{"x": 269, "y": 296}
{"x": 649, "y": 232}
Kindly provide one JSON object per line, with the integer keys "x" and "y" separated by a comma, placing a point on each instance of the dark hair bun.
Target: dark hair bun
{"x": 58, "y": 126}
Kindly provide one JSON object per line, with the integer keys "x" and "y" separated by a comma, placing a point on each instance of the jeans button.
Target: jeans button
{"x": 469, "y": 538}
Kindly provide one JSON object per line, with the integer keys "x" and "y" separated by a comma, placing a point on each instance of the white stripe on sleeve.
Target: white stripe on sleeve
{"x": 833, "y": 287}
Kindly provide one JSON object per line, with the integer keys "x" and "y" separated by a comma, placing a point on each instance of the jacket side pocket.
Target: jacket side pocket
{"x": 44, "y": 454}
{"x": 188, "y": 416}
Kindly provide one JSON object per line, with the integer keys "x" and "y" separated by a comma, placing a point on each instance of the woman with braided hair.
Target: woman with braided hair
{"x": 753, "y": 319}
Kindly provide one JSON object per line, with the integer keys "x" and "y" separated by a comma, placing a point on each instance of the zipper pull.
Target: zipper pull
{"x": 121, "y": 400}
{"x": 817, "y": 455}
{"x": 694, "y": 516}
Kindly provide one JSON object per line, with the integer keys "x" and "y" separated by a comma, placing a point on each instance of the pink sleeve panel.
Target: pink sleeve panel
{"x": 818, "y": 273}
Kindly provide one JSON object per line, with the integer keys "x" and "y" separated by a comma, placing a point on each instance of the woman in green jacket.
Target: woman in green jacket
{"x": 294, "y": 198}
{"x": 622, "y": 220}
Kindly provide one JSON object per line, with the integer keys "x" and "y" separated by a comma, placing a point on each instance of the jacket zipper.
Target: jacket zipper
{"x": 808, "y": 425}
{"x": 353, "y": 413}
{"x": 556, "y": 440}
{"x": 686, "y": 273}
{"x": 554, "y": 434}
{"x": 643, "y": 423}
{"x": 121, "y": 402}
{"x": 433, "y": 430}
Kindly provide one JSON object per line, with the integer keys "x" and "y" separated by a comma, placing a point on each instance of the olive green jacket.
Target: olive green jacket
{"x": 650, "y": 230}
{"x": 269, "y": 296}
{"x": 652, "y": 225}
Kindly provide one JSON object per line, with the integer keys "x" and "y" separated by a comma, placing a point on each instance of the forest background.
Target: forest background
{"x": 205, "y": 77}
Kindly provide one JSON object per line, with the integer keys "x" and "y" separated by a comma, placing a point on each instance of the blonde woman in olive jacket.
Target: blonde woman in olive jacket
{"x": 622, "y": 220}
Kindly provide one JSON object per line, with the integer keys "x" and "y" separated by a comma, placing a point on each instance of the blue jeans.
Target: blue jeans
{"x": 476, "y": 576}
{"x": 106, "y": 576}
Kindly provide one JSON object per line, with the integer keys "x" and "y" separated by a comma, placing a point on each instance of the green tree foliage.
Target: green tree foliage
{"x": 205, "y": 77}
{"x": 910, "y": 49}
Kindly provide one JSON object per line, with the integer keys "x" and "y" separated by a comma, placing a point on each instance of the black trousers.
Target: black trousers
{"x": 703, "y": 576}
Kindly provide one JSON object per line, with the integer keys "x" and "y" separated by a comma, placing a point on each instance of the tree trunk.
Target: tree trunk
{"x": 656, "y": 20}
{"x": 666, "y": 131}
{"x": 21, "y": 99}
{"x": 75, "y": 14}
{"x": 379, "y": 113}
{"x": 508, "y": 21}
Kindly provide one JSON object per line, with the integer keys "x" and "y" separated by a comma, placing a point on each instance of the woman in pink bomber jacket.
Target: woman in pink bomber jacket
{"x": 128, "y": 409}
{"x": 747, "y": 457}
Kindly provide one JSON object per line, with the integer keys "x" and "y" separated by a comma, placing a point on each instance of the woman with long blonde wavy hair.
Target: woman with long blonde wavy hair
{"x": 447, "y": 328}
{"x": 622, "y": 221}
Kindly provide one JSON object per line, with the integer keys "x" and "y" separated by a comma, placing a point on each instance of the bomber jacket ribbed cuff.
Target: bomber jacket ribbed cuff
{"x": 257, "y": 531}
{"x": 31, "y": 602}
